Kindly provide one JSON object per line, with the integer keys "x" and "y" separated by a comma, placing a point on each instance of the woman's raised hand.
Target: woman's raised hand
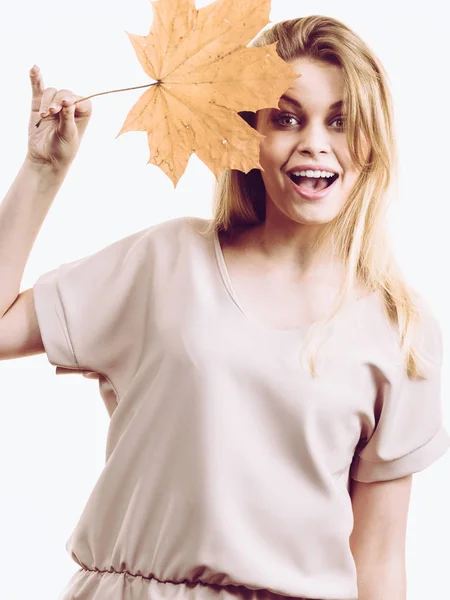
{"x": 56, "y": 141}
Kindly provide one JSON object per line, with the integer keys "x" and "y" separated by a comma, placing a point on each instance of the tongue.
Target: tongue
{"x": 311, "y": 183}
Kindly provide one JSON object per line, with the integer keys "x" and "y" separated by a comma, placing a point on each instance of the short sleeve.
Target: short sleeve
{"x": 409, "y": 434}
{"x": 88, "y": 310}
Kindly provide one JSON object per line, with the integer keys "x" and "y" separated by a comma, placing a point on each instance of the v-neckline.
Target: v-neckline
{"x": 226, "y": 279}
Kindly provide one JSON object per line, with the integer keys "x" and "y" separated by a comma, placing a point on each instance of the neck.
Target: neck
{"x": 293, "y": 248}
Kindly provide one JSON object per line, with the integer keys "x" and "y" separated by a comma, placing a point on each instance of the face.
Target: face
{"x": 307, "y": 130}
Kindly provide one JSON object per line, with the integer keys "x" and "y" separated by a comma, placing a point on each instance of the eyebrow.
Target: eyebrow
{"x": 296, "y": 103}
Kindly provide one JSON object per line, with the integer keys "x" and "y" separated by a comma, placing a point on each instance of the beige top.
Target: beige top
{"x": 227, "y": 466}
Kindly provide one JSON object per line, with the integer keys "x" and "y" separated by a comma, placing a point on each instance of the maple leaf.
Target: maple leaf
{"x": 204, "y": 75}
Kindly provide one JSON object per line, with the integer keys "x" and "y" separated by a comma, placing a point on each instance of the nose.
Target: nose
{"x": 313, "y": 139}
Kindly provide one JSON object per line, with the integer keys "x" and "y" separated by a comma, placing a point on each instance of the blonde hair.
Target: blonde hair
{"x": 358, "y": 233}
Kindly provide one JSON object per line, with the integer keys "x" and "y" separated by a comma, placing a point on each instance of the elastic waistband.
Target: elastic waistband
{"x": 244, "y": 591}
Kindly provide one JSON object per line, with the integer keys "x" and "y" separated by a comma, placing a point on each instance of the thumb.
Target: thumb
{"x": 67, "y": 128}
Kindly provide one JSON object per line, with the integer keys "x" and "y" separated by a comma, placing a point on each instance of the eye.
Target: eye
{"x": 280, "y": 117}
{"x": 342, "y": 122}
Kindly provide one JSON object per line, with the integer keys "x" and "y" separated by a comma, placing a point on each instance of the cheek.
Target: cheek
{"x": 273, "y": 151}
{"x": 351, "y": 172}
{"x": 352, "y": 176}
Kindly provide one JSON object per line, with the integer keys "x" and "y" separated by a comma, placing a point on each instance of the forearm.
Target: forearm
{"x": 385, "y": 581}
{"x": 22, "y": 213}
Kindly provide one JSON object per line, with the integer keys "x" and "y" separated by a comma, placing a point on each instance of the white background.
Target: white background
{"x": 53, "y": 429}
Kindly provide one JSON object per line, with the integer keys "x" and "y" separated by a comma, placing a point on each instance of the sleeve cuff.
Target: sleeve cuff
{"x": 417, "y": 460}
{"x": 52, "y": 323}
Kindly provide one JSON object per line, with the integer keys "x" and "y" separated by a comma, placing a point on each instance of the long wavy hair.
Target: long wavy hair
{"x": 359, "y": 232}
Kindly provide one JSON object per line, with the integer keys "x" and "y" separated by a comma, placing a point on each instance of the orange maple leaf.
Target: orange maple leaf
{"x": 204, "y": 75}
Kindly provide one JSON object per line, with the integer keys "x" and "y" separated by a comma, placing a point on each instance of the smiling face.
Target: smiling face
{"x": 307, "y": 129}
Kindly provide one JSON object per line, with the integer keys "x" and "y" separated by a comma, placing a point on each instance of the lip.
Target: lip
{"x": 312, "y": 167}
{"x": 310, "y": 195}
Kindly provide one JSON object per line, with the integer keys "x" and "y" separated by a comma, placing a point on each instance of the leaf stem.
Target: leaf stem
{"x": 102, "y": 94}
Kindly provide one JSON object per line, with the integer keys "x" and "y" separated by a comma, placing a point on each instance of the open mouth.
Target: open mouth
{"x": 314, "y": 184}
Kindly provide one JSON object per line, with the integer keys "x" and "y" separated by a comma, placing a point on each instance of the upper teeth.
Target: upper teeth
{"x": 311, "y": 173}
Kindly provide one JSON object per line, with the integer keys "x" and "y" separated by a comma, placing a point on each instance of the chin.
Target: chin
{"x": 310, "y": 213}
{"x": 314, "y": 220}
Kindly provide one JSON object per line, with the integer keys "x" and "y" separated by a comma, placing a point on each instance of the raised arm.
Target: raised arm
{"x": 52, "y": 148}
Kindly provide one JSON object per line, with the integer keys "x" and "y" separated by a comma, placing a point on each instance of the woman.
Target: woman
{"x": 233, "y": 467}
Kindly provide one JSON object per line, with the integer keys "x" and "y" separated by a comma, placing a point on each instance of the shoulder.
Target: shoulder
{"x": 159, "y": 237}
{"x": 427, "y": 335}
{"x": 130, "y": 254}
{"x": 381, "y": 340}
{"x": 185, "y": 225}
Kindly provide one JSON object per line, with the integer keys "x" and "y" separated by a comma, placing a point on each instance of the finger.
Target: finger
{"x": 84, "y": 108}
{"x": 37, "y": 87}
{"x": 47, "y": 98}
{"x": 67, "y": 128}
{"x": 56, "y": 103}
{"x": 37, "y": 81}
{"x": 64, "y": 98}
